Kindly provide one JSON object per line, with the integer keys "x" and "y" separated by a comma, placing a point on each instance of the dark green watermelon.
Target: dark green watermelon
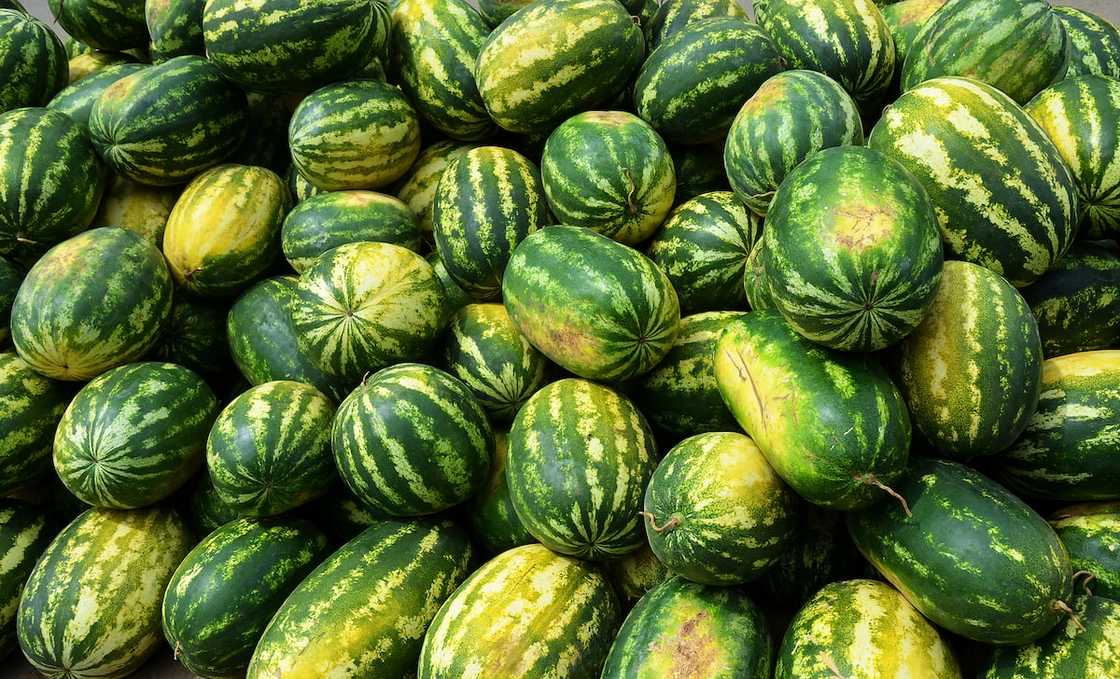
{"x": 1077, "y": 302}
{"x": 32, "y": 60}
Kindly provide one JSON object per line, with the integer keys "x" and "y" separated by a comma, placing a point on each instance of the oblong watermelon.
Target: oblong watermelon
{"x": 32, "y": 60}
{"x": 1094, "y": 43}
{"x": 1091, "y": 535}
{"x": 1077, "y": 302}
{"x": 78, "y": 98}
{"x": 673, "y": 16}
{"x": 418, "y": 188}
{"x": 137, "y": 207}
{"x": 30, "y": 407}
{"x": 491, "y": 518}
{"x": 175, "y": 27}
{"x": 103, "y": 24}
{"x": 25, "y": 532}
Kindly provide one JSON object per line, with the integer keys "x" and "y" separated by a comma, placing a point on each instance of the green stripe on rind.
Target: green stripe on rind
{"x": 225, "y": 591}
{"x": 970, "y": 371}
{"x": 412, "y": 440}
{"x": 906, "y": 20}
{"x": 204, "y": 508}
{"x": 299, "y": 186}
{"x": 1094, "y": 43}
{"x": 484, "y": 349}
{"x": 1017, "y": 46}
{"x": 558, "y": 613}
{"x": 497, "y": 11}
{"x": 51, "y": 181}
{"x": 491, "y": 518}
{"x": 456, "y": 298}
{"x": 792, "y": 116}
{"x": 30, "y": 408}
{"x": 594, "y": 306}
{"x": 78, "y": 99}
{"x": 364, "y": 610}
{"x": 733, "y": 515}
{"x": 699, "y": 170}
{"x": 32, "y": 60}
{"x": 24, "y": 534}
{"x": 90, "y": 609}
{"x": 1082, "y": 117}
{"x": 10, "y": 279}
{"x": 972, "y": 557}
{"x": 488, "y": 200}
{"x": 692, "y": 85}
{"x": 1004, "y": 198}
{"x": 175, "y": 27}
{"x": 584, "y": 53}
{"x": 269, "y": 450}
{"x": 74, "y": 317}
{"x": 328, "y": 220}
{"x": 1077, "y": 302}
{"x": 580, "y": 456}
{"x": 103, "y": 24}
{"x": 1083, "y": 646}
{"x": 683, "y": 629}
{"x": 703, "y": 249}
{"x": 674, "y": 16}
{"x": 418, "y": 188}
{"x": 1068, "y": 450}
{"x": 755, "y": 284}
{"x": 609, "y": 171}
{"x": 863, "y": 629}
{"x": 195, "y": 337}
{"x": 365, "y": 306}
{"x": 635, "y": 574}
{"x": 134, "y": 435}
{"x": 1091, "y": 535}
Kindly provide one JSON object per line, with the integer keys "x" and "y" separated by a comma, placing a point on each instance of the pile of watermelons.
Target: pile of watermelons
{"x": 563, "y": 339}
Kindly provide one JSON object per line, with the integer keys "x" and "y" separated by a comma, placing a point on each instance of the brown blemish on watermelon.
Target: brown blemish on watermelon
{"x": 692, "y": 652}
{"x": 764, "y": 96}
{"x": 861, "y": 227}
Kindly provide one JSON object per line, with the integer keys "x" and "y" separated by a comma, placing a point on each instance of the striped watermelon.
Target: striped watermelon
{"x": 364, "y": 306}
{"x": 988, "y": 569}
{"x": 137, "y": 207}
{"x": 361, "y": 134}
{"x": 906, "y": 20}
{"x": 299, "y": 187}
{"x": 227, "y": 588}
{"x": 683, "y": 629}
{"x": 594, "y": 306}
{"x": 364, "y": 610}
{"x": 1017, "y": 46}
{"x": 578, "y": 425}
{"x": 1082, "y": 117}
{"x": 847, "y": 40}
{"x": 269, "y": 450}
{"x": 78, "y": 98}
{"x": 51, "y": 181}
{"x": 134, "y": 435}
{"x": 691, "y": 86}
{"x": 32, "y": 60}
{"x": 1077, "y": 302}
{"x": 527, "y": 613}
{"x": 674, "y": 16}
{"x": 418, "y": 188}
{"x": 224, "y": 230}
{"x": 455, "y": 297}
{"x": 204, "y": 509}
{"x": 792, "y": 116}
{"x": 635, "y": 574}
{"x": 30, "y": 408}
{"x": 487, "y": 201}
{"x": 328, "y": 220}
{"x": 863, "y": 629}
{"x": 484, "y": 349}
{"x": 1067, "y": 451}
{"x": 103, "y": 24}
{"x": 1091, "y": 535}
{"x": 584, "y": 52}
{"x": 74, "y": 318}
{"x": 1094, "y": 43}
{"x": 92, "y": 63}
{"x": 724, "y": 515}
{"x": 495, "y": 12}
{"x": 195, "y": 338}
{"x": 703, "y": 249}
{"x": 342, "y": 515}
{"x": 412, "y": 440}
{"x": 755, "y": 284}
{"x": 491, "y": 518}
{"x": 10, "y": 278}
{"x": 970, "y": 372}
{"x": 24, "y": 533}
{"x": 699, "y": 170}
{"x": 91, "y": 606}
{"x": 175, "y": 27}
{"x": 821, "y": 553}
{"x": 165, "y": 124}
{"x": 796, "y": 399}
{"x": 608, "y": 171}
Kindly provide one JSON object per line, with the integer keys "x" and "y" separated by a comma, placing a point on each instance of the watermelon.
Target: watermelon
{"x": 684, "y": 629}
{"x": 1067, "y": 451}
{"x": 584, "y": 52}
{"x": 821, "y": 552}
{"x": 674, "y": 16}
{"x": 495, "y": 12}
{"x": 715, "y": 512}
{"x": 692, "y": 85}
{"x": 225, "y": 591}
{"x": 488, "y": 200}
{"x": 265, "y": 143}
{"x": 755, "y": 284}
{"x": 792, "y": 116}
{"x": 78, "y": 98}
{"x": 863, "y": 629}
{"x": 195, "y": 337}
{"x": 364, "y": 610}
{"x": 680, "y": 396}
{"x": 276, "y": 46}
{"x": 365, "y": 306}
{"x": 795, "y": 399}
{"x": 699, "y": 170}
{"x": 269, "y": 449}
{"x": 103, "y": 24}
{"x": 635, "y": 574}
{"x": 328, "y": 220}
{"x": 1004, "y": 198}
{"x": 91, "y": 63}
{"x": 175, "y": 27}
{"x": 971, "y": 557}
{"x": 75, "y": 318}
{"x": 527, "y": 613}
{"x": 30, "y": 408}
{"x": 970, "y": 371}
{"x": 847, "y": 40}
{"x": 204, "y": 509}
{"x": 10, "y": 278}
{"x": 608, "y": 171}
{"x": 1077, "y": 302}
{"x": 361, "y": 134}
{"x": 1017, "y": 46}
{"x": 73, "y": 47}
{"x": 578, "y": 425}
{"x": 491, "y": 518}
{"x": 32, "y": 60}
{"x": 51, "y": 181}
{"x": 224, "y": 230}
{"x": 905, "y": 20}
{"x": 484, "y": 349}
{"x": 164, "y": 124}
{"x": 24, "y": 534}
{"x": 412, "y": 440}
{"x": 342, "y": 515}
{"x": 455, "y": 297}
{"x": 1094, "y": 43}
{"x": 137, "y": 207}
{"x": 1082, "y": 117}
{"x": 418, "y": 187}
{"x": 299, "y": 187}
{"x": 1091, "y": 535}
{"x": 91, "y": 606}
{"x": 595, "y": 307}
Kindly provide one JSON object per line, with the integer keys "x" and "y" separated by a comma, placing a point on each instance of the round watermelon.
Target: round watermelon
{"x": 418, "y": 187}
{"x": 175, "y": 27}
{"x": 32, "y": 60}
{"x": 1094, "y": 43}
